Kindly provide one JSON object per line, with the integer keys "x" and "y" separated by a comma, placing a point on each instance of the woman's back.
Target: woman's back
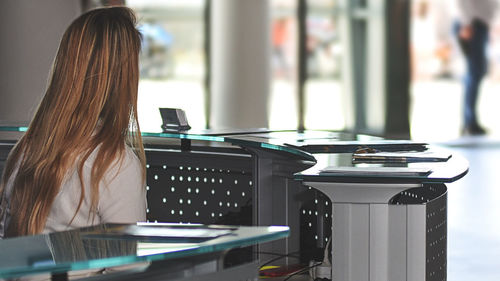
{"x": 81, "y": 161}
{"x": 121, "y": 197}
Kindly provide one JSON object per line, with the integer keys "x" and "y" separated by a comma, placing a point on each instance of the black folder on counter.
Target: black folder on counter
{"x": 400, "y": 157}
{"x": 376, "y": 171}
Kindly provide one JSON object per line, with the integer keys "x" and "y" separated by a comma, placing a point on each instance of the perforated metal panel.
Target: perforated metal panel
{"x": 315, "y": 224}
{"x": 199, "y": 187}
{"x": 437, "y": 239}
{"x": 435, "y": 199}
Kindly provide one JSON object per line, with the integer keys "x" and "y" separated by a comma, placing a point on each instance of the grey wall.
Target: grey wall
{"x": 30, "y": 31}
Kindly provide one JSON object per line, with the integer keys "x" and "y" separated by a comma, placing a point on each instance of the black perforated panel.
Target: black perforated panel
{"x": 436, "y": 236}
{"x": 315, "y": 225}
{"x": 434, "y": 196}
{"x": 204, "y": 188}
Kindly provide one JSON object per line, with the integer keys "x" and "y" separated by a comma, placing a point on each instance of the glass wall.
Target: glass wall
{"x": 323, "y": 108}
{"x": 283, "y": 113}
{"x": 311, "y": 47}
{"x": 438, "y": 70}
{"x": 173, "y": 67}
{"x": 322, "y": 90}
{"x": 172, "y": 62}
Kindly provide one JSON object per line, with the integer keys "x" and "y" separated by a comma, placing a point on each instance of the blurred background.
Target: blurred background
{"x": 173, "y": 60}
{"x": 384, "y": 67}
{"x": 437, "y": 70}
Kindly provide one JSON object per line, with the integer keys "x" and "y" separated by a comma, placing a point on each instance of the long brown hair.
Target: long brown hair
{"x": 90, "y": 102}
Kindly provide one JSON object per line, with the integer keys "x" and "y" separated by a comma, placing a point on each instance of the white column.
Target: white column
{"x": 30, "y": 32}
{"x": 240, "y": 63}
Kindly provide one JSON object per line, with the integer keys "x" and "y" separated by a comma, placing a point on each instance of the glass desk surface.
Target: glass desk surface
{"x": 100, "y": 247}
{"x": 438, "y": 172}
{"x": 13, "y": 127}
{"x": 313, "y": 141}
{"x": 284, "y": 140}
{"x": 300, "y": 143}
{"x": 290, "y": 141}
{"x": 316, "y": 146}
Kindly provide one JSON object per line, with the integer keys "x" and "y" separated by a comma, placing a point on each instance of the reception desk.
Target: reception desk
{"x": 381, "y": 227}
{"x": 387, "y": 226}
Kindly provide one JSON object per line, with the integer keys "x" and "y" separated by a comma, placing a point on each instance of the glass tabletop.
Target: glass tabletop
{"x": 115, "y": 245}
{"x": 342, "y": 167}
{"x": 301, "y": 144}
{"x": 310, "y": 146}
{"x": 256, "y": 138}
{"x": 13, "y": 127}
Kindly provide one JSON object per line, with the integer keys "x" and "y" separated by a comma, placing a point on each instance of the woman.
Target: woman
{"x": 81, "y": 161}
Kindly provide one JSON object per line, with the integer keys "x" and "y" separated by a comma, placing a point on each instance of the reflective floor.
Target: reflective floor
{"x": 474, "y": 201}
{"x": 436, "y": 109}
{"x": 474, "y": 213}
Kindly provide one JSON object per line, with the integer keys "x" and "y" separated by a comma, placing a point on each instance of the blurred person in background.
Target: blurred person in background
{"x": 471, "y": 29}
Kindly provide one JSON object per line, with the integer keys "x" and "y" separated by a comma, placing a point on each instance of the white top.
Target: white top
{"x": 484, "y": 10}
{"x": 122, "y": 196}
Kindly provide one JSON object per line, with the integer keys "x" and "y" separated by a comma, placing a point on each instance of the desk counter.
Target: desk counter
{"x": 267, "y": 177}
{"x": 167, "y": 258}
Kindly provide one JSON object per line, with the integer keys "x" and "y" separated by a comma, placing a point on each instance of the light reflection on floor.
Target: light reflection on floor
{"x": 436, "y": 109}
{"x": 474, "y": 216}
{"x": 474, "y": 201}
